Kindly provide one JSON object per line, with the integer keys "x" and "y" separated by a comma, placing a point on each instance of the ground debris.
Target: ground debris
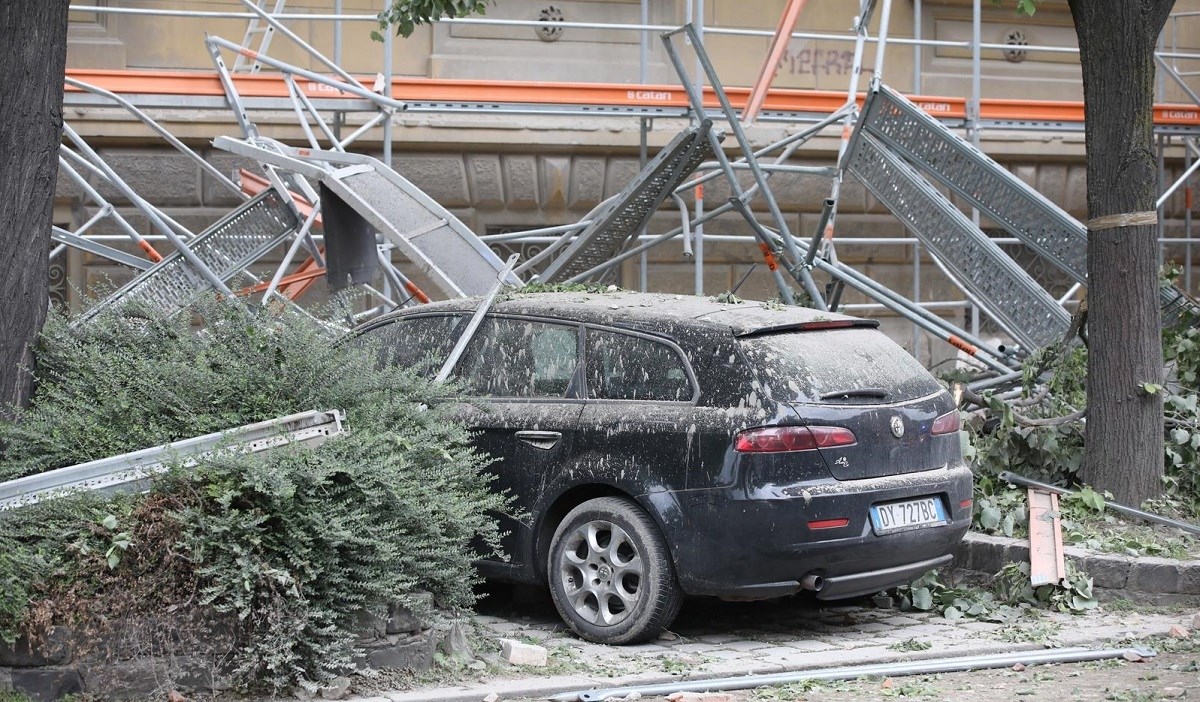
{"x": 519, "y": 653}
{"x": 699, "y": 697}
{"x": 337, "y": 688}
{"x": 455, "y": 645}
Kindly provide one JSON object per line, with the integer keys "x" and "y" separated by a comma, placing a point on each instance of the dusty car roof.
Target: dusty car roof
{"x": 641, "y": 310}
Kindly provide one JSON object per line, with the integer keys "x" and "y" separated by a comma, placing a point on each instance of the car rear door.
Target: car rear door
{"x": 638, "y": 430}
{"x": 523, "y": 376}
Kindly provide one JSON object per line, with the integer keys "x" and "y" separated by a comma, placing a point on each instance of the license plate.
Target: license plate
{"x": 909, "y": 514}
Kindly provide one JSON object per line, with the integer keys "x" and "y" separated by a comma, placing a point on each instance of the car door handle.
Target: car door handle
{"x": 544, "y": 440}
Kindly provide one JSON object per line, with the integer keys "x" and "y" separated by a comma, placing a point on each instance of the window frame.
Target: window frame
{"x": 652, "y": 338}
{"x": 577, "y": 378}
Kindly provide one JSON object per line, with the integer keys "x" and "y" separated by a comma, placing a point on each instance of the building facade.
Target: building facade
{"x": 502, "y": 172}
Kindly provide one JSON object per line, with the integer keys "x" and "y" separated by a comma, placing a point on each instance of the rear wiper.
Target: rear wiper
{"x": 856, "y": 392}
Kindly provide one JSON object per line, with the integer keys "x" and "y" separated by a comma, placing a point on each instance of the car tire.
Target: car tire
{"x": 610, "y": 573}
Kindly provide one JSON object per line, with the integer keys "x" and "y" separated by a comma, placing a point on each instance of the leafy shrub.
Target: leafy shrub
{"x": 276, "y": 554}
{"x": 1181, "y": 348}
{"x": 1054, "y": 453}
{"x": 122, "y": 383}
{"x": 1010, "y": 598}
{"x": 1051, "y": 453}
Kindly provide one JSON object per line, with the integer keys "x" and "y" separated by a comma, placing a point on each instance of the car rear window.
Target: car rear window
{"x": 808, "y": 365}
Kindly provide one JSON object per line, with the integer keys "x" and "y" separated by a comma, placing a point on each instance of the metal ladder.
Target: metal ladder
{"x": 257, "y": 28}
{"x": 619, "y": 221}
{"x": 1018, "y": 303}
{"x": 227, "y": 248}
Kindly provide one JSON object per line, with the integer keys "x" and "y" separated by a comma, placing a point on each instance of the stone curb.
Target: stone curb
{"x": 542, "y": 688}
{"x": 1167, "y": 579}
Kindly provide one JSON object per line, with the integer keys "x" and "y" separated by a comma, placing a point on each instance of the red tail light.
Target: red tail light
{"x": 776, "y": 439}
{"x": 946, "y": 424}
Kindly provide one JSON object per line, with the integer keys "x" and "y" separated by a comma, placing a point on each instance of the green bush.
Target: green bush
{"x": 281, "y": 552}
{"x": 1051, "y": 453}
{"x": 1054, "y": 454}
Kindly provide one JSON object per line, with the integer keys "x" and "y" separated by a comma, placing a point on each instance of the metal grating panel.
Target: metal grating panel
{"x": 625, "y": 216}
{"x": 1025, "y": 213}
{"x": 952, "y": 161}
{"x": 436, "y": 241}
{"x": 227, "y": 248}
{"x": 1024, "y": 308}
{"x": 1178, "y": 308}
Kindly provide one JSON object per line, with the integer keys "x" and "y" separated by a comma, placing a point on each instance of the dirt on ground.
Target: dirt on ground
{"x": 1165, "y": 676}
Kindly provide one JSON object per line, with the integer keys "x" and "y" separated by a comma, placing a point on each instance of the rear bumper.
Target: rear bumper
{"x": 865, "y": 583}
{"x": 755, "y": 544}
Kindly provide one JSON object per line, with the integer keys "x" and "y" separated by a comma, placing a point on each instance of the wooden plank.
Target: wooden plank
{"x": 1046, "y": 562}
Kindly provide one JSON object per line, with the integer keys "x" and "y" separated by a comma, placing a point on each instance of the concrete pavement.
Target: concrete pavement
{"x": 719, "y": 639}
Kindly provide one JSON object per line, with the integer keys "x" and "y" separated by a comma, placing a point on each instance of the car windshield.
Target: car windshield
{"x": 837, "y": 365}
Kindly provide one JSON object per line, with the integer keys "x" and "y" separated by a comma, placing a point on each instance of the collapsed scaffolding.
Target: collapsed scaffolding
{"x": 367, "y": 212}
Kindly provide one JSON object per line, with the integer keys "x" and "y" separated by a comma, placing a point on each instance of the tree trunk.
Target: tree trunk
{"x": 33, "y": 55}
{"x": 1124, "y": 424}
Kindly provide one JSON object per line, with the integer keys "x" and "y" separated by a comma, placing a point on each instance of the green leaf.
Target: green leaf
{"x": 1092, "y": 499}
{"x": 109, "y": 522}
{"x": 376, "y": 36}
{"x": 952, "y": 613}
{"x": 922, "y": 599}
{"x": 1181, "y": 436}
{"x": 989, "y": 518}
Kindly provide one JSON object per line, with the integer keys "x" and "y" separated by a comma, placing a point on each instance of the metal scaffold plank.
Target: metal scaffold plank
{"x": 458, "y": 262}
{"x": 436, "y": 241}
{"x": 1012, "y": 297}
{"x": 129, "y": 472}
{"x": 227, "y": 248}
{"x": 903, "y": 127}
{"x": 622, "y": 219}
{"x": 952, "y": 161}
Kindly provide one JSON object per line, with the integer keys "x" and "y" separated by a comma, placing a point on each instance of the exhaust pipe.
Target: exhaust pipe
{"x": 812, "y": 582}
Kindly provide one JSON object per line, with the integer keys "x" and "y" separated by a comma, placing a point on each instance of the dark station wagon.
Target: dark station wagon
{"x": 665, "y": 446}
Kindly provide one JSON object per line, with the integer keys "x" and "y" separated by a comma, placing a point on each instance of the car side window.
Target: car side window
{"x": 520, "y": 358}
{"x": 420, "y": 343}
{"x": 625, "y": 367}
